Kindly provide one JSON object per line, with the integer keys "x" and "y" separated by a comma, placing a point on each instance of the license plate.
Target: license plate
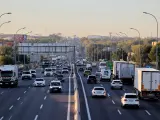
{"x": 130, "y": 100}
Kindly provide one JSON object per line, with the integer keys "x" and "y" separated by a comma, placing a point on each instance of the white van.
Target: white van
{"x": 106, "y": 74}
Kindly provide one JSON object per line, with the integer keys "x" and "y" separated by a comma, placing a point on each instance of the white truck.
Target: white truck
{"x": 9, "y": 75}
{"x": 147, "y": 83}
{"x": 124, "y": 71}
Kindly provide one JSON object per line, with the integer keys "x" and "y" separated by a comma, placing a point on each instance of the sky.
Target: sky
{"x": 80, "y": 17}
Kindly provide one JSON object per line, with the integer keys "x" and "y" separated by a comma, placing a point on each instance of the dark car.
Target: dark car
{"x": 81, "y": 69}
{"x": 60, "y": 77}
{"x": 91, "y": 79}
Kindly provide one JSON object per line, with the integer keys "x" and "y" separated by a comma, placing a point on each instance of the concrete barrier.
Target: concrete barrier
{"x": 77, "y": 115}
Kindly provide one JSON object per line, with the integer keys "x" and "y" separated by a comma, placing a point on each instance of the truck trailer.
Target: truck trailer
{"x": 9, "y": 75}
{"x": 147, "y": 83}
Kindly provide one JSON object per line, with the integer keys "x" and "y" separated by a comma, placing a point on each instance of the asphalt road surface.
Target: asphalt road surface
{"x": 110, "y": 108}
{"x": 36, "y": 103}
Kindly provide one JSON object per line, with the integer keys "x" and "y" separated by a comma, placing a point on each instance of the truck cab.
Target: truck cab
{"x": 9, "y": 75}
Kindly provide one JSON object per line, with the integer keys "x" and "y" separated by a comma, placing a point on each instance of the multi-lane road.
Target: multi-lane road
{"x": 110, "y": 108}
{"x": 36, "y": 103}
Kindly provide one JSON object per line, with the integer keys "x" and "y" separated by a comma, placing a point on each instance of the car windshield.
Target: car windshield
{"x": 117, "y": 81}
{"x": 60, "y": 76}
{"x": 26, "y": 72}
{"x": 102, "y": 64}
{"x": 65, "y": 68}
{"x": 131, "y": 96}
{"x": 39, "y": 79}
{"x": 6, "y": 73}
{"x": 48, "y": 70}
{"x": 55, "y": 83}
{"x": 106, "y": 72}
{"x": 92, "y": 77}
{"x": 87, "y": 72}
{"x": 33, "y": 71}
{"x": 98, "y": 88}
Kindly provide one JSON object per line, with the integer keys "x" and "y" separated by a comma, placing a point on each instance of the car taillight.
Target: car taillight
{"x": 125, "y": 99}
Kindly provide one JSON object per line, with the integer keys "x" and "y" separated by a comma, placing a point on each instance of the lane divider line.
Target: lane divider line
{"x": 45, "y": 97}
{"x": 147, "y": 112}
{"x": 2, "y": 93}
{"x": 19, "y": 98}
{"x": 85, "y": 98}
{"x": 36, "y": 117}
{"x": 113, "y": 102}
{"x": 1, "y": 118}
{"x": 47, "y": 91}
{"x": 21, "y": 103}
{"x": 24, "y": 92}
{"x": 41, "y": 106}
{"x": 10, "y": 118}
{"x": 69, "y": 97}
{"x": 119, "y": 112}
{"x": 11, "y": 107}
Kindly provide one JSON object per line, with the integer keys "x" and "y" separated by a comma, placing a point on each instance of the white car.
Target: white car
{"x": 33, "y": 72}
{"x": 116, "y": 84}
{"x": 99, "y": 92}
{"x": 48, "y": 72}
{"x": 55, "y": 86}
{"x": 39, "y": 82}
{"x": 26, "y": 75}
{"x": 65, "y": 71}
{"x": 130, "y": 99}
{"x": 106, "y": 74}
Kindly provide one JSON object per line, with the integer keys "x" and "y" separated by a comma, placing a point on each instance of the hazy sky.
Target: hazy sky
{"x": 80, "y": 17}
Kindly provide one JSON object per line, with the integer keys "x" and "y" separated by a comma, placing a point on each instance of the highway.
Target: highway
{"x": 36, "y": 103}
{"x": 110, "y": 108}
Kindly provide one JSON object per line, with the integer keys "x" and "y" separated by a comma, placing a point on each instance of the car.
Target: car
{"x": 65, "y": 71}
{"x": 26, "y": 75}
{"x": 39, "y": 82}
{"x": 130, "y": 99}
{"x": 91, "y": 79}
{"x": 106, "y": 74}
{"x": 55, "y": 86}
{"x": 48, "y": 72}
{"x": 81, "y": 69}
{"x": 89, "y": 67}
{"x": 86, "y": 73}
{"x": 116, "y": 84}
{"x": 33, "y": 72}
{"x": 60, "y": 77}
{"x": 98, "y": 91}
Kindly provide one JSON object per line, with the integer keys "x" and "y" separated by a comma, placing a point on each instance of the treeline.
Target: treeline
{"x": 132, "y": 50}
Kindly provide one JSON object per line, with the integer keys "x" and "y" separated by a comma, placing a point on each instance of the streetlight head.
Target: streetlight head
{"x": 24, "y": 28}
{"x": 145, "y": 12}
{"x": 131, "y": 28}
{"x": 8, "y": 21}
{"x": 9, "y": 13}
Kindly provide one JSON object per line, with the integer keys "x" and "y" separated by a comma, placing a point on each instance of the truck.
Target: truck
{"x": 147, "y": 83}
{"x": 9, "y": 75}
{"x": 124, "y": 71}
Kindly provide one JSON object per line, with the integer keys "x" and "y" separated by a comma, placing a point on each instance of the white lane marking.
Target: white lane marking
{"x": 10, "y": 118}
{"x": 36, "y": 117}
{"x": 69, "y": 99}
{"x": 21, "y": 103}
{"x": 108, "y": 95}
{"x": 2, "y": 93}
{"x": 124, "y": 90}
{"x": 119, "y": 112}
{"x": 101, "y": 85}
{"x": 113, "y": 102}
{"x": 11, "y": 107}
{"x": 85, "y": 98}
{"x": 25, "y": 92}
{"x": 41, "y": 106}
{"x": 147, "y": 112}
{"x": 47, "y": 91}
{"x": 19, "y": 98}
{"x": 1, "y": 118}
{"x": 45, "y": 97}
{"x": 29, "y": 87}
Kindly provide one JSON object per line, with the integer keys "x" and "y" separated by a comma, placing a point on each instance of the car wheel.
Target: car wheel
{"x": 111, "y": 88}
{"x": 137, "y": 107}
{"x": 121, "y": 88}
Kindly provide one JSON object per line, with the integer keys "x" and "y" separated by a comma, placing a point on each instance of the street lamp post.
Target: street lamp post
{"x": 157, "y": 58}
{"x": 4, "y": 23}
{"x": 139, "y": 44}
{"x": 5, "y": 14}
{"x": 24, "y": 57}
{"x": 123, "y": 34}
{"x": 15, "y": 59}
